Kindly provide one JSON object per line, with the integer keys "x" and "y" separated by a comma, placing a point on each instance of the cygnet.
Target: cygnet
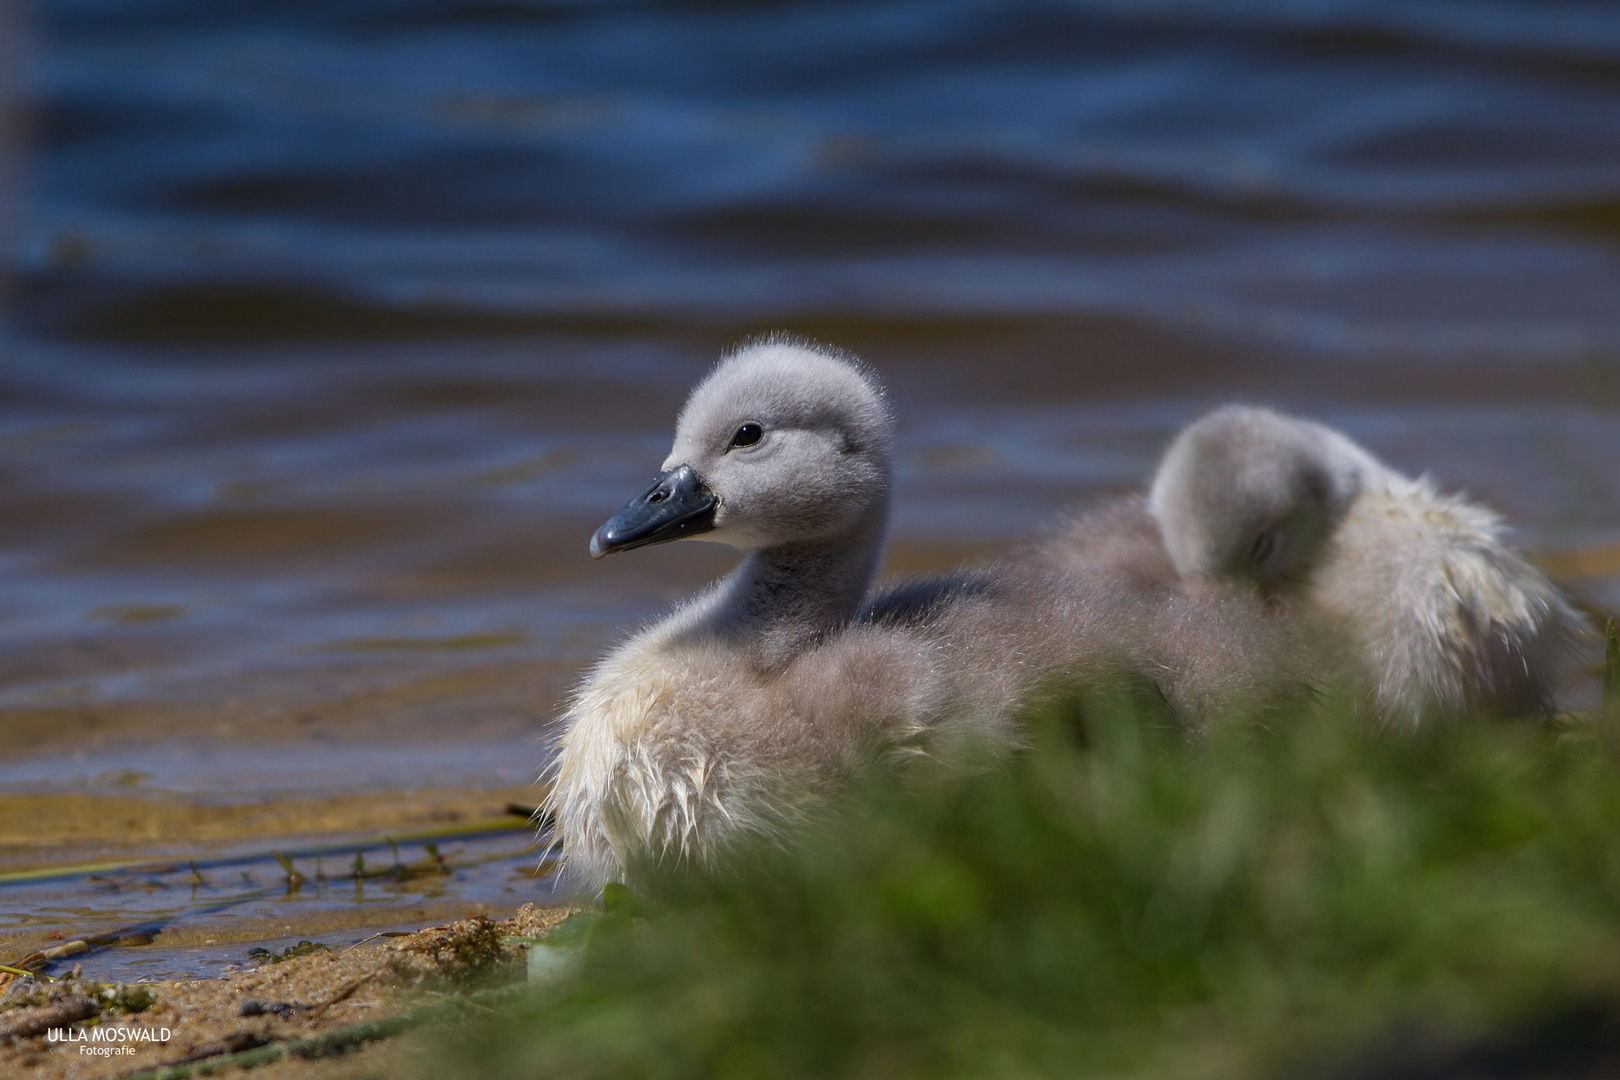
{"x": 1433, "y": 615}
{"x": 739, "y": 713}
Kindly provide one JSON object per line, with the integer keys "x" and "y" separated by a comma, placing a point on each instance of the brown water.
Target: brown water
{"x": 337, "y": 331}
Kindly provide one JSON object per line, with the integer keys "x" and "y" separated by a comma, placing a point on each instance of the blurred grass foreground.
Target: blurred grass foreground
{"x": 1296, "y": 897}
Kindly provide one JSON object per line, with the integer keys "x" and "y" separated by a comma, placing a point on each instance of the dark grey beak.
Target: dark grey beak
{"x": 677, "y": 504}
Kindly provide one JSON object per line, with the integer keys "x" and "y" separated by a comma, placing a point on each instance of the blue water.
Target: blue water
{"x": 1434, "y": 180}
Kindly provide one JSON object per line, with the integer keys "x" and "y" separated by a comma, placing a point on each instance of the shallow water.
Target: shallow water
{"x": 335, "y": 330}
{"x": 202, "y": 917}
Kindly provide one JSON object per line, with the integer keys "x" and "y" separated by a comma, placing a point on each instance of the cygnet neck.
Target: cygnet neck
{"x": 784, "y": 599}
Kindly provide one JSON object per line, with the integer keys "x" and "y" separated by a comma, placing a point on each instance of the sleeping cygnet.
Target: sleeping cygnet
{"x": 1432, "y": 614}
{"x": 736, "y": 715}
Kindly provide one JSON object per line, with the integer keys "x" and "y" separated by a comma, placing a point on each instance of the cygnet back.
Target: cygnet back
{"x": 1096, "y": 605}
{"x": 1435, "y": 615}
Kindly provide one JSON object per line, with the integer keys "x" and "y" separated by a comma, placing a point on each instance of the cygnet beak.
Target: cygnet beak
{"x": 676, "y": 505}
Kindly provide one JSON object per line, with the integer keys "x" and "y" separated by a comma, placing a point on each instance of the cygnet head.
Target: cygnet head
{"x": 1251, "y": 494}
{"x": 783, "y": 443}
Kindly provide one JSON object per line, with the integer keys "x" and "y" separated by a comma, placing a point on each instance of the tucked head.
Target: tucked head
{"x": 1248, "y": 493}
{"x": 783, "y": 443}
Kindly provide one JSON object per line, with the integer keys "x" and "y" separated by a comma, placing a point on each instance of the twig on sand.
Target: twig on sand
{"x": 68, "y": 1011}
{"x": 343, "y": 994}
{"x": 374, "y": 937}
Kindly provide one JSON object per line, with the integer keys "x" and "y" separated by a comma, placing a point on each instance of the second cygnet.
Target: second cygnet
{"x": 1433, "y": 614}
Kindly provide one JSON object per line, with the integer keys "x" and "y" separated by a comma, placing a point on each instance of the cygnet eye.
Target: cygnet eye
{"x": 1262, "y": 548}
{"x": 747, "y": 435}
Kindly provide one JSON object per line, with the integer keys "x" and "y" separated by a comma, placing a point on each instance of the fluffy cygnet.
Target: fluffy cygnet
{"x": 1434, "y": 615}
{"x": 741, "y": 711}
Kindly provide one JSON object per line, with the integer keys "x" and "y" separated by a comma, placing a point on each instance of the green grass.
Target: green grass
{"x": 1283, "y": 900}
